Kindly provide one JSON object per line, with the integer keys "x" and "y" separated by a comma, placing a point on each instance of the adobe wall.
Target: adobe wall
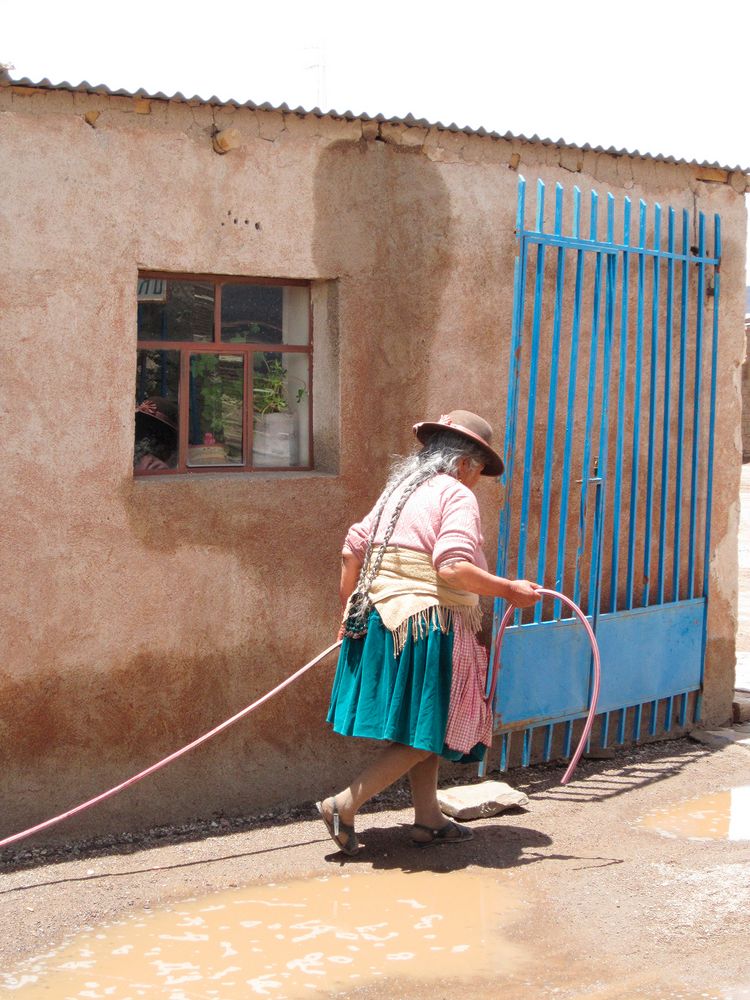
{"x": 746, "y": 399}
{"x": 138, "y": 614}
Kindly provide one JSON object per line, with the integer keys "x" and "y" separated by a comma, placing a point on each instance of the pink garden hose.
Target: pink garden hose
{"x": 289, "y": 680}
{"x": 597, "y": 671}
{"x": 173, "y": 756}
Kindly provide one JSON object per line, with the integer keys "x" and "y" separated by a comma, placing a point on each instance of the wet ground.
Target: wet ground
{"x": 631, "y": 883}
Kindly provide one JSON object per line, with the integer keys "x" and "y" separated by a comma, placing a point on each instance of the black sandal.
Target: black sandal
{"x": 451, "y": 833}
{"x": 340, "y": 832}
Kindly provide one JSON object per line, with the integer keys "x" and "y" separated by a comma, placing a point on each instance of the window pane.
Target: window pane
{"x": 281, "y": 409}
{"x": 265, "y": 314}
{"x": 156, "y": 414}
{"x": 216, "y": 395}
{"x": 175, "y": 310}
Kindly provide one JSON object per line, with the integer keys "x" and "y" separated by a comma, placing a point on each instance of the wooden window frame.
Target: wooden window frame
{"x": 246, "y": 351}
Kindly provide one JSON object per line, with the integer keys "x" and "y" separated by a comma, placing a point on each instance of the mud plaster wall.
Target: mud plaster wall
{"x": 746, "y": 398}
{"x": 138, "y": 614}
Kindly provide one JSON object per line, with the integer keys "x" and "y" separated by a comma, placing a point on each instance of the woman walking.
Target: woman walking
{"x": 411, "y": 672}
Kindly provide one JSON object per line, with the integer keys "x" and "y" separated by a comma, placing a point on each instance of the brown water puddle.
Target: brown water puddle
{"x": 721, "y": 816}
{"x": 289, "y": 940}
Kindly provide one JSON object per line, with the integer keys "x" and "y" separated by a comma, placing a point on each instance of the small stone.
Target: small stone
{"x": 488, "y": 798}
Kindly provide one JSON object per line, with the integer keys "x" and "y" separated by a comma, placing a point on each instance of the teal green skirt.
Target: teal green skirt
{"x": 403, "y": 699}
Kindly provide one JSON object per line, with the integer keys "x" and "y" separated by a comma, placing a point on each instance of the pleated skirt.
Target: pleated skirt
{"x": 402, "y": 699}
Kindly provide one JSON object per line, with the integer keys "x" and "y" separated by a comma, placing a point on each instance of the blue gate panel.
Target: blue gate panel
{"x": 544, "y": 673}
{"x": 649, "y": 653}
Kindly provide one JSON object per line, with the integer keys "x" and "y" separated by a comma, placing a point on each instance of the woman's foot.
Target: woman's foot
{"x": 341, "y": 833}
{"x": 448, "y": 833}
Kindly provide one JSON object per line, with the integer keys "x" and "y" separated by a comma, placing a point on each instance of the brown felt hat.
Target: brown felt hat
{"x": 158, "y": 408}
{"x": 470, "y": 426}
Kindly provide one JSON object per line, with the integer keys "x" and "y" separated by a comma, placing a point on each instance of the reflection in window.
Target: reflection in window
{"x": 224, "y": 373}
{"x": 216, "y": 397}
{"x": 264, "y": 314}
{"x": 175, "y": 310}
{"x": 156, "y": 413}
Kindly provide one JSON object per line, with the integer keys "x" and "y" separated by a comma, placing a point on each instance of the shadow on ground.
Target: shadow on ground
{"x": 594, "y": 780}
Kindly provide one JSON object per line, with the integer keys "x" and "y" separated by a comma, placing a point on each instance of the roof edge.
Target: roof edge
{"x": 409, "y": 120}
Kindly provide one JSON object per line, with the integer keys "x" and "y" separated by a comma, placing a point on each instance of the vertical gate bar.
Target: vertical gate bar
{"x": 610, "y": 298}
{"x": 683, "y": 709}
{"x": 604, "y": 731}
{"x": 548, "y": 731}
{"x": 698, "y": 706}
{"x": 504, "y": 751}
{"x": 552, "y": 405}
{"x": 568, "y": 739}
{"x": 519, "y": 297}
{"x": 593, "y": 357}
{"x": 528, "y": 736}
{"x": 668, "y": 715}
{"x": 667, "y": 402}
{"x": 637, "y": 723}
{"x": 710, "y": 457}
{"x": 653, "y": 718}
{"x": 569, "y": 423}
{"x": 656, "y": 260}
{"x": 614, "y": 571}
{"x": 621, "y": 726}
{"x": 597, "y": 540}
{"x": 531, "y": 403}
{"x": 636, "y": 407}
{"x": 697, "y": 387}
{"x": 680, "y": 411}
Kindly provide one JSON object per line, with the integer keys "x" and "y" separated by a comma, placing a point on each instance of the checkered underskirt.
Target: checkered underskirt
{"x": 469, "y": 714}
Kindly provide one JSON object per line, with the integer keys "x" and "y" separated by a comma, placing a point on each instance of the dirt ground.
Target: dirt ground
{"x": 599, "y": 906}
{"x": 609, "y": 909}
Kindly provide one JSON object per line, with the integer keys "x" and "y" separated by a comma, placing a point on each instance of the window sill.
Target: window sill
{"x": 243, "y": 477}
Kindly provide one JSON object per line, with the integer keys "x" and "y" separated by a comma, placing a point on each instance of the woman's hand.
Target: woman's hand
{"x": 523, "y": 593}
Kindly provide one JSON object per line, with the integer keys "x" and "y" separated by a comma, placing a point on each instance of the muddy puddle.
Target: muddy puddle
{"x": 328, "y": 934}
{"x": 720, "y": 816}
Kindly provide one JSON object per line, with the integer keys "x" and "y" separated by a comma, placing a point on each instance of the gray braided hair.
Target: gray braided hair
{"x": 442, "y": 453}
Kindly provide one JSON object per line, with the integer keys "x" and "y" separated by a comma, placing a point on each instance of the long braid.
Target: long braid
{"x": 441, "y": 454}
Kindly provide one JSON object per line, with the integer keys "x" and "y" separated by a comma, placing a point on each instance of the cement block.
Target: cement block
{"x": 475, "y": 801}
{"x": 741, "y": 708}
{"x": 739, "y": 736}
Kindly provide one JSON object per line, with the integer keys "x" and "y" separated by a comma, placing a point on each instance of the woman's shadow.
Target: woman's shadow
{"x": 497, "y": 844}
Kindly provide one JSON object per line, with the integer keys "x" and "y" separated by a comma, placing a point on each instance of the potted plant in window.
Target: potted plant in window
{"x": 275, "y": 438}
{"x": 219, "y": 404}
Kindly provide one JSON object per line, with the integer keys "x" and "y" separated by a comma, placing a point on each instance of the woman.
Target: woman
{"x": 411, "y": 671}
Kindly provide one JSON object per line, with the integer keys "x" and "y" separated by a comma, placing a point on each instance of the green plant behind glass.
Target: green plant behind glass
{"x": 217, "y": 393}
{"x": 269, "y": 388}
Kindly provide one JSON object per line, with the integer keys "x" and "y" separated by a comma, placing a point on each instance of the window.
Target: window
{"x": 224, "y": 374}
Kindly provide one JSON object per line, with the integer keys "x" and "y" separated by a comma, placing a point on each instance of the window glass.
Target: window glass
{"x": 216, "y": 398}
{"x": 281, "y": 384}
{"x": 156, "y": 413}
{"x": 243, "y": 349}
{"x": 264, "y": 314}
{"x": 175, "y": 310}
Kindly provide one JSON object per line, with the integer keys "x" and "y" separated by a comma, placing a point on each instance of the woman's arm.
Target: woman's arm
{"x": 466, "y": 576}
{"x": 350, "y": 570}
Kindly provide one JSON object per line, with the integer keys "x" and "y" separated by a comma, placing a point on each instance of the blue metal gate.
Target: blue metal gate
{"x": 609, "y": 461}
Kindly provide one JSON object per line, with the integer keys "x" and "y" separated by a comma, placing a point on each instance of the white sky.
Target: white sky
{"x": 659, "y": 76}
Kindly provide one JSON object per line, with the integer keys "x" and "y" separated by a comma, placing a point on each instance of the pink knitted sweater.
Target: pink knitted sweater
{"x": 441, "y": 517}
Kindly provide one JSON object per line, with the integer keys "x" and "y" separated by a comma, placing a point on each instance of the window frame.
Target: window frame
{"x": 218, "y": 347}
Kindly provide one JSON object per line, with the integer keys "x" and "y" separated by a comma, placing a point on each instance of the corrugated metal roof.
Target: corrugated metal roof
{"x": 409, "y": 121}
